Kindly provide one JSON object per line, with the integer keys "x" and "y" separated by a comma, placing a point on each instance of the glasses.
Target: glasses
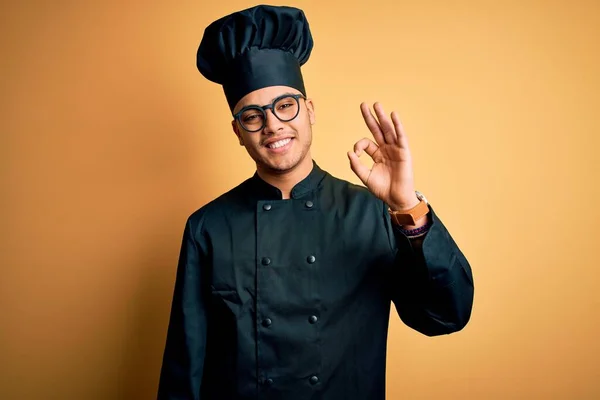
{"x": 285, "y": 108}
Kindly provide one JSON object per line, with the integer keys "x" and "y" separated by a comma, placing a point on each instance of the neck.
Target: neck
{"x": 285, "y": 181}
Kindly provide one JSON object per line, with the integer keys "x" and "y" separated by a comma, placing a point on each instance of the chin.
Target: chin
{"x": 281, "y": 166}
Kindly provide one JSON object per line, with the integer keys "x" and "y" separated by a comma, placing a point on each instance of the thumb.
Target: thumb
{"x": 359, "y": 169}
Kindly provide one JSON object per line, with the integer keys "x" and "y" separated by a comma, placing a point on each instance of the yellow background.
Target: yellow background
{"x": 110, "y": 138}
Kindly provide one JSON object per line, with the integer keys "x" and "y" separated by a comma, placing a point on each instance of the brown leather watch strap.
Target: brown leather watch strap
{"x": 410, "y": 217}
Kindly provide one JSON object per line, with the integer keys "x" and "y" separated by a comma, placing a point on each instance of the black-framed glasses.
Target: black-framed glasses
{"x": 285, "y": 108}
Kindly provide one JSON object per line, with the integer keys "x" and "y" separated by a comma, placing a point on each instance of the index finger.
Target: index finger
{"x": 372, "y": 124}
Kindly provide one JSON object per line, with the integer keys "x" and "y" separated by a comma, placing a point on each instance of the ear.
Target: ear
{"x": 236, "y": 130}
{"x": 310, "y": 107}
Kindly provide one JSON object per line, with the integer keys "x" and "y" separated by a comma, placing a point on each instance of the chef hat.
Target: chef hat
{"x": 255, "y": 48}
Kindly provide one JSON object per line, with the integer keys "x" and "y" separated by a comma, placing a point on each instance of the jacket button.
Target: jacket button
{"x": 313, "y": 319}
{"x": 267, "y": 322}
{"x": 266, "y": 261}
{"x": 309, "y": 204}
{"x": 267, "y": 207}
{"x": 311, "y": 259}
{"x": 268, "y": 381}
{"x": 314, "y": 380}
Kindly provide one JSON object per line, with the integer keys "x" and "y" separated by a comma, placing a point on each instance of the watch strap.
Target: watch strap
{"x": 411, "y": 216}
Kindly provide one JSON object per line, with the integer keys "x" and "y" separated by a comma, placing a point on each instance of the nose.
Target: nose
{"x": 272, "y": 123}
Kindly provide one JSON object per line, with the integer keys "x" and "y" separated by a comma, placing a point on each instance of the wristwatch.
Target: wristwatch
{"x": 410, "y": 217}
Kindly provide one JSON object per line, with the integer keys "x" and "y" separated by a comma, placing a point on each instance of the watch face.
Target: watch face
{"x": 421, "y": 196}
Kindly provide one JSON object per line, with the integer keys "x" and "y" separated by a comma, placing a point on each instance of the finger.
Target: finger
{"x": 361, "y": 170}
{"x": 372, "y": 124}
{"x": 366, "y": 145}
{"x": 389, "y": 132}
{"x": 402, "y": 137}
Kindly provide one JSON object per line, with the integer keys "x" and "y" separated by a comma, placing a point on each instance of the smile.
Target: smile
{"x": 279, "y": 143}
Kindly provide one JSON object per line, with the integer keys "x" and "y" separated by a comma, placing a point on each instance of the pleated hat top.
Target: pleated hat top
{"x": 255, "y": 48}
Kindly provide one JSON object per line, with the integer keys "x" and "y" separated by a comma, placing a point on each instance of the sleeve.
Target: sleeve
{"x": 432, "y": 284}
{"x": 185, "y": 349}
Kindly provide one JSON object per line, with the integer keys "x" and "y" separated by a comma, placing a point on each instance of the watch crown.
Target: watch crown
{"x": 421, "y": 196}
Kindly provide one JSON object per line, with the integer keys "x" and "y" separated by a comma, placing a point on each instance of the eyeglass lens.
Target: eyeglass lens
{"x": 285, "y": 109}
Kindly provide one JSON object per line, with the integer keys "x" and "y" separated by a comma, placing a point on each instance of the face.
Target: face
{"x": 280, "y": 146}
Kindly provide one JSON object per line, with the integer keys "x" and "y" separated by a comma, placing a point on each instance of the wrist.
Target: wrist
{"x": 418, "y": 224}
{"x": 417, "y": 233}
{"x": 405, "y": 205}
{"x": 410, "y": 213}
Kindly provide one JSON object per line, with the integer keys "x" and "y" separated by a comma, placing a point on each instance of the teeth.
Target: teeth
{"x": 279, "y": 143}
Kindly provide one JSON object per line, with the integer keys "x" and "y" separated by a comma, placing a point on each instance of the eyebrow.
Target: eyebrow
{"x": 271, "y": 102}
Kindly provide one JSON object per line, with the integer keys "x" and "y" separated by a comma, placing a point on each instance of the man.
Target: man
{"x": 284, "y": 284}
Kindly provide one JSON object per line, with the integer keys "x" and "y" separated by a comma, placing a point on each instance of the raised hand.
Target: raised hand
{"x": 391, "y": 177}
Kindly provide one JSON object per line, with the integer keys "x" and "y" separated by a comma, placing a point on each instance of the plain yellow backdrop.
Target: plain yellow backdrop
{"x": 110, "y": 138}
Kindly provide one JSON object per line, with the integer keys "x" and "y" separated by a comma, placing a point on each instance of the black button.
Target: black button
{"x": 266, "y": 261}
{"x": 267, "y": 322}
{"x": 268, "y": 381}
{"x": 313, "y": 319}
{"x": 311, "y": 259}
{"x": 267, "y": 207}
{"x": 314, "y": 380}
{"x": 309, "y": 204}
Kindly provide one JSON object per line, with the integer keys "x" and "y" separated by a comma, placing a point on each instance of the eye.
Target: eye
{"x": 285, "y": 105}
{"x": 252, "y": 117}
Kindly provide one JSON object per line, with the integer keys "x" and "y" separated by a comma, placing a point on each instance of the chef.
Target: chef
{"x": 284, "y": 283}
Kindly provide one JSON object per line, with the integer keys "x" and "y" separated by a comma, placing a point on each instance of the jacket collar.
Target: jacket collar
{"x": 258, "y": 189}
